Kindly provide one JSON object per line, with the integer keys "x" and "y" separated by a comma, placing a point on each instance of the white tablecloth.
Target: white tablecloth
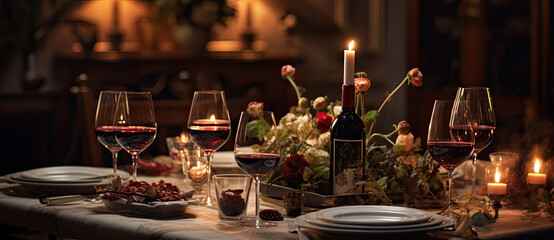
{"x": 88, "y": 220}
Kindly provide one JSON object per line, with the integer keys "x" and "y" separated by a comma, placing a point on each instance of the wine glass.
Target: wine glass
{"x": 450, "y": 137}
{"x": 482, "y": 120}
{"x": 135, "y": 124}
{"x": 104, "y": 124}
{"x": 257, "y": 152}
{"x": 209, "y": 127}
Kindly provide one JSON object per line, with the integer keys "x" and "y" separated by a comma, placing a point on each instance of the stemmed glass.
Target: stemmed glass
{"x": 482, "y": 120}
{"x": 257, "y": 152}
{"x": 135, "y": 124}
{"x": 450, "y": 137}
{"x": 209, "y": 127}
{"x": 104, "y": 123}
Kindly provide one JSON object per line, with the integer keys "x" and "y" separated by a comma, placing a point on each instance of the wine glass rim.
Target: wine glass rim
{"x": 474, "y": 88}
{"x": 208, "y": 91}
{"x": 261, "y": 111}
{"x": 111, "y": 91}
{"x": 136, "y": 92}
{"x": 445, "y": 100}
{"x": 231, "y": 175}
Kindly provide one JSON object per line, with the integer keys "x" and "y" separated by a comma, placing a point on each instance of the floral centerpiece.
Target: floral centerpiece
{"x": 399, "y": 168}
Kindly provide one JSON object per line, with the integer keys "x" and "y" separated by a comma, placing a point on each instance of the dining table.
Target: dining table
{"x": 91, "y": 219}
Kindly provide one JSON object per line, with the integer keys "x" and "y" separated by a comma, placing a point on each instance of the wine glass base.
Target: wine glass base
{"x": 208, "y": 201}
{"x": 253, "y": 222}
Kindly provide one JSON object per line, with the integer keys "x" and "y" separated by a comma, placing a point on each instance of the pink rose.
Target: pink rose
{"x": 287, "y": 70}
{"x": 362, "y": 84}
{"x": 416, "y": 77}
{"x": 323, "y": 121}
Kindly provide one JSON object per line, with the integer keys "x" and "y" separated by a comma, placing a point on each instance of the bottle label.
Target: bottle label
{"x": 348, "y": 166}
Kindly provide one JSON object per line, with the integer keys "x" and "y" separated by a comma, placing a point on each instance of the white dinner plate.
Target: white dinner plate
{"x": 345, "y": 232}
{"x": 69, "y": 174}
{"x": 63, "y": 187}
{"x": 373, "y": 215}
{"x": 312, "y": 219}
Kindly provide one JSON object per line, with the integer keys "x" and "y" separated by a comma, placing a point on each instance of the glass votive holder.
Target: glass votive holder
{"x": 506, "y": 159}
{"x": 293, "y": 203}
{"x": 177, "y": 146}
{"x": 195, "y": 169}
{"x": 497, "y": 179}
{"x": 176, "y": 151}
{"x": 232, "y": 192}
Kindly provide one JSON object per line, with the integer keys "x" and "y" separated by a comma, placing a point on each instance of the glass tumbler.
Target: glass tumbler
{"x": 232, "y": 191}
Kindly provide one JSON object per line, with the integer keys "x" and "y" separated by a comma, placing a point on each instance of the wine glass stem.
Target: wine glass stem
{"x": 474, "y": 175}
{"x": 450, "y": 176}
{"x": 210, "y": 158}
{"x": 135, "y": 165}
{"x": 114, "y": 160}
{"x": 257, "y": 202}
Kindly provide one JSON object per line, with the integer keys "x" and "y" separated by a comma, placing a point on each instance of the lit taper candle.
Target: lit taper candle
{"x": 349, "y": 56}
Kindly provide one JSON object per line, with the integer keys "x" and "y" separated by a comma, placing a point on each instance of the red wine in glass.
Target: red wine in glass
{"x": 135, "y": 138}
{"x": 450, "y": 138}
{"x": 450, "y": 154}
{"x": 483, "y": 136}
{"x": 479, "y": 101}
{"x": 104, "y": 122}
{"x": 209, "y": 137}
{"x": 254, "y": 159}
{"x": 209, "y": 128}
{"x": 461, "y": 133}
{"x": 257, "y": 165}
{"x": 106, "y": 136}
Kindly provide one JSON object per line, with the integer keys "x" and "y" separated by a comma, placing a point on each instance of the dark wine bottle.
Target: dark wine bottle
{"x": 347, "y": 164}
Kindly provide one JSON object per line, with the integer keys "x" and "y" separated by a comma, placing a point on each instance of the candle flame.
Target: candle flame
{"x": 351, "y": 45}
{"x": 497, "y": 176}
{"x": 184, "y": 137}
{"x": 537, "y": 165}
{"x": 212, "y": 117}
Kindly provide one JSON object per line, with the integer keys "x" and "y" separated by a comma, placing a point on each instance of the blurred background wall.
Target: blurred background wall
{"x": 173, "y": 47}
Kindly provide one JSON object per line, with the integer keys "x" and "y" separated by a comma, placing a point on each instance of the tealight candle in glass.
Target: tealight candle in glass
{"x": 195, "y": 168}
{"x": 536, "y": 177}
{"x": 497, "y": 180}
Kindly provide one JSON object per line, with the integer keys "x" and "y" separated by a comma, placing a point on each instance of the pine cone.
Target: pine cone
{"x": 271, "y": 215}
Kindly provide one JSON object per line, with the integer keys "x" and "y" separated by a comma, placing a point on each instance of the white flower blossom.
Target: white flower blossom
{"x": 324, "y": 139}
{"x": 406, "y": 141}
